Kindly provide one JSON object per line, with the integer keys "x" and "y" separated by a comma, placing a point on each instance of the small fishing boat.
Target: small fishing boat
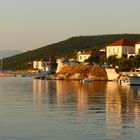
{"x": 123, "y": 80}
{"x": 134, "y": 79}
{"x": 87, "y": 80}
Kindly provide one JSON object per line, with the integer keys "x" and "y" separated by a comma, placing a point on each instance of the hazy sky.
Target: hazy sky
{"x": 30, "y": 24}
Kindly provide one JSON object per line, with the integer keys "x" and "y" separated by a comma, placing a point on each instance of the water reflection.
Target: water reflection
{"x": 35, "y": 109}
{"x": 72, "y": 94}
{"x": 43, "y": 92}
{"x": 119, "y": 105}
{"x": 122, "y": 107}
{"x": 135, "y": 91}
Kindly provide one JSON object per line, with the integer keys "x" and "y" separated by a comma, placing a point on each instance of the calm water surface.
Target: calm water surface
{"x": 61, "y": 110}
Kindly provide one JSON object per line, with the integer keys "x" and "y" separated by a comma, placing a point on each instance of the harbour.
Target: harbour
{"x": 69, "y": 70}
{"x": 56, "y": 110}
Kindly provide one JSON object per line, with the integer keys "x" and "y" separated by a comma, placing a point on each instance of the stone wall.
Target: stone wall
{"x": 112, "y": 74}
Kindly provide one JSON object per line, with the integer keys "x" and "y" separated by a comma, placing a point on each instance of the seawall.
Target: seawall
{"x": 111, "y": 74}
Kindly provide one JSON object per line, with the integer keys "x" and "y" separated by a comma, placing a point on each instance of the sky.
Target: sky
{"x": 30, "y": 24}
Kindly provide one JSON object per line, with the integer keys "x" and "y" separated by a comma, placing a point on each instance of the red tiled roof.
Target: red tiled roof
{"x": 137, "y": 42}
{"x": 122, "y": 42}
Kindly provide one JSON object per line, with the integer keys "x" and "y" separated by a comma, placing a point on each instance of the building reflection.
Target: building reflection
{"x": 80, "y": 94}
{"x": 135, "y": 92}
{"x": 65, "y": 93}
{"x": 88, "y": 96}
{"x": 43, "y": 92}
{"x": 122, "y": 106}
{"x": 119, "y": 103}
{"x": 113, "y": 104}
{"x": 82, "y": 100}
{"x": 70, "y": 94}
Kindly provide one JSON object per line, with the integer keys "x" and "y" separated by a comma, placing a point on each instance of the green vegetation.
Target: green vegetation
{"x": 129, "y": 64}
{"x": 67, "y": 48}
{"x": 123, "y": 63}
{"x": 95, "y": 57}
{"x": 112, "y": 60}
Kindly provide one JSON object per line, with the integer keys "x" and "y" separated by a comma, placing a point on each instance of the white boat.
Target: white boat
{"x": 87, "y": 80}
{"x": 134, "y": 79}
{"x": 123, "y": 80}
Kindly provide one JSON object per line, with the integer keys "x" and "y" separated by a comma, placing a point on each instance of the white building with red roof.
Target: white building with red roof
{"x": 120, "y": 48}
{"x": 82, "y": 56}
{"x": 41, "y": 64}
{"x": 137, "y": 48}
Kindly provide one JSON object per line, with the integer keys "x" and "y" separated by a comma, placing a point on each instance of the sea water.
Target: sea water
{"x": 68, "y": 110}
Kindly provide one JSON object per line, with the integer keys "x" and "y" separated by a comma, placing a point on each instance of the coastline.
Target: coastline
{"x": 79, "y": 72}
{"x": 7, "y": 75}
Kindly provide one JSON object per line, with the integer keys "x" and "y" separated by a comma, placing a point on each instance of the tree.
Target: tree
{"x": 112, "y": 60}
{"x": 137, "y": 61}
{"x": 93, "y": 59}
{"x": 53, "y": 63}
{"x": 126, "y": 64}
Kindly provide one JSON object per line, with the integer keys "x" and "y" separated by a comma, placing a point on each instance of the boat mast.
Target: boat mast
{"x": 1, "y": 64}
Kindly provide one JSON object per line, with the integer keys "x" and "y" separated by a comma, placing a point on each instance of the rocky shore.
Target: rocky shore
{"x": 81, "y": 71}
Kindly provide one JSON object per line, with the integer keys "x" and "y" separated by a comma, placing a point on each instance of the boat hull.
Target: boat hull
{"x": 134, "y": 80}
{"x": 86, "y": 80}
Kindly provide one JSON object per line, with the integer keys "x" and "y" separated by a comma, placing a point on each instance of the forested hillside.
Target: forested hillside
{"x": 65, "y": 48}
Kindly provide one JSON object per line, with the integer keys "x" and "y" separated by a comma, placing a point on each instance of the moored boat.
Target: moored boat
{"x": 123, "y": 80}
{"x": 87, "y": 80}
{"x": 42, "y": 75}
{"x": 134, "y": 79}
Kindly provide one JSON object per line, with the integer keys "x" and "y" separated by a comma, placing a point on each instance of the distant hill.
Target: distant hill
{"x": 8, "y": 53}
{"x": 65, "y": 48}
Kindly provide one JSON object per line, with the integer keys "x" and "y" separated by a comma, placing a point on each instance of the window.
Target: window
{"x": 109, "y": 50}
{"x": 117, "y": 50}
{"x": 80, "y": 57}
{"x": 113, "y": 50}
{"x": 125, "y": 50}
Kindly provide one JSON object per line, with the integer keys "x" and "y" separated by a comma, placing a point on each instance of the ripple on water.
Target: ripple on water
{"x": 55, "y": 110}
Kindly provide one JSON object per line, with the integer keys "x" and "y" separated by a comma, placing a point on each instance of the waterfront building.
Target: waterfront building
{"x": 62, "y": 62}
{"x": 120, "y": 48}
{"x": 82, "y": 56}
{"x": 41, "y": 65}
{"x": 137, "y": 48}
